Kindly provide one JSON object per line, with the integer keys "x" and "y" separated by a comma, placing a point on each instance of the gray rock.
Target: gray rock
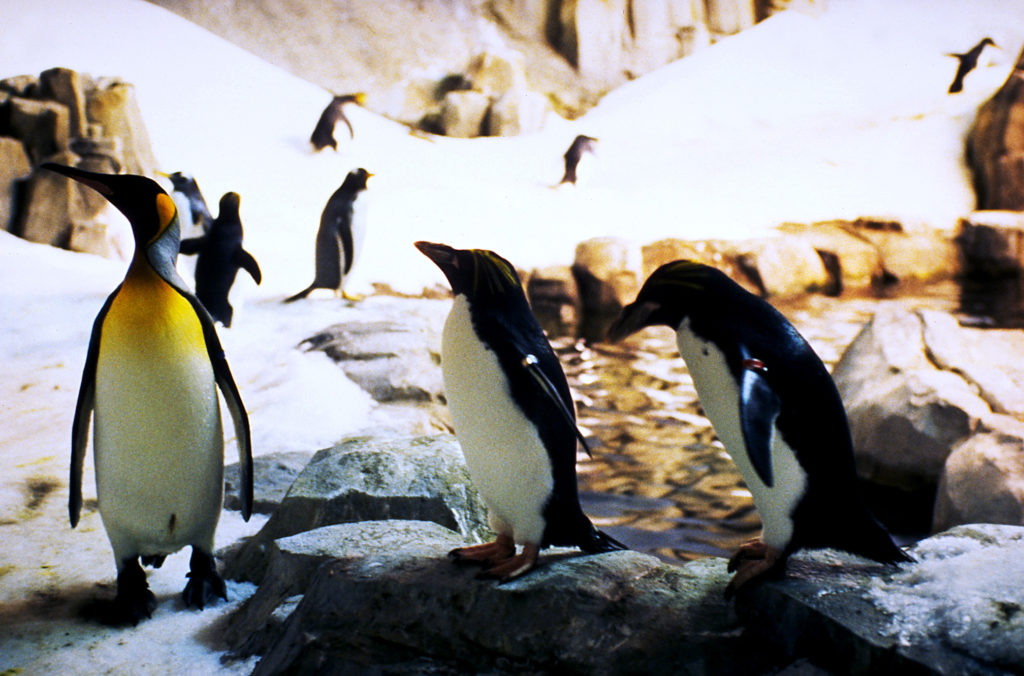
{"x": 369, "y": 479}
{"x": 376, "y": 603}
{"x": 393, "y": 360}
{"x": 905, "y": 414}
{"x": 983, "y": 479}
{"x": 959, "y": 610}
{"x": 273, "y": 475}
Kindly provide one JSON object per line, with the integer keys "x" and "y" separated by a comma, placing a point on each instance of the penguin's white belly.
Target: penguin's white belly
{"x": 720, "y": 398}
{"x": 359, "y": 209}
{"x": 504, "y": 453}
{"x": 158, "y": 439}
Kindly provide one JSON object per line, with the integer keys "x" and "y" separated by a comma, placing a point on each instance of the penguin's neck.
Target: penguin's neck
{"x": 147, "y": 303}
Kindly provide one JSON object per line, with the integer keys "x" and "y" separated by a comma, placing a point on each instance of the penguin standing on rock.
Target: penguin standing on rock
{"x": 967, "y": 62}
{"x": 513, "y": 416}
{"x": 150, "y": 382}
{"x": 340, "y": 237}
{"x": 776, "y": 409}
{"x": 580, "y": 145}
{"x": 220, "y": 255}
{"x": 323, "y": 133}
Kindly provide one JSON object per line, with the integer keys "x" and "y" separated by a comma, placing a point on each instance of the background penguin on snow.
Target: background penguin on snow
{"x": 189, "y": 200}
{"x": 580, "y": 145}
{"x": 966, "y": 63}
{"x": 220, "y": 255}
{"x": 513, "y": 415}
{"x": 340, "y": 237}
{"x": 776, "y": 409}
{"x": 323, "y": 133}
{"x": 150, "y": 383}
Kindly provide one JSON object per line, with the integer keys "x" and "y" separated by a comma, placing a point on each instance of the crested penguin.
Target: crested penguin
{"x": 150, "y": 381}
{"x": 340, "y": 237}
{"x": 220, "y": 255}
{"x": 513, "y": 416}
{"x": 323, "y": 133}
{"x": 775, "y": 408}
{"x": 967, "y": 62}
{"x": 580, "y": 145}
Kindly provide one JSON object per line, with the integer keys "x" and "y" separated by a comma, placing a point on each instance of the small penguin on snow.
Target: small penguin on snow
{"x": 776, "y": 409}
{"x": 150, "y": 382}
{"x": 323, "y": 134}
{"x": 580, "y": 145}
{"x": 220, "y": 255}
{"x": 966, "y": 63}
{"x": 340, "y": 237}
{"x": 513, "y": 416}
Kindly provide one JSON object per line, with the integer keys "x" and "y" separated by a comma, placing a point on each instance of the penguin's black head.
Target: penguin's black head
{"x": 182, "y": 182}
{"x": 149, "y": 209}
{"x": 672, "y": 292}
{"x": 475, "y": 273}
{"x": 359, "y": 98}
{"x": 356, "y": 180}
{"x": 229, "y": 202}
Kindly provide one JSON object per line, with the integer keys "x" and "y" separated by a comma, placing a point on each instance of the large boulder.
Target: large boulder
{"x": 995, "y": 146}
{"x": 607, "y": 274}
{"x": 780, "y": 266}
{"x": 366, "y": 479}
{"x": 555, "y": 300}
{"x": 14, "y": 169}
{"x": 992, "y": 244}
{"x": 114, "y": 107}
{"x": 859, "y": 263}
{"x": 273, "y": 474}
{"x": 463, "y": 113}
{"x": 42, "y": 126}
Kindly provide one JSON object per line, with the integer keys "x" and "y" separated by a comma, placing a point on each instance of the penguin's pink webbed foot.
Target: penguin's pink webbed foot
{"x": 753, "y": 559}
{"x": 514, "y": 566}
{"x": 490, "y": 553}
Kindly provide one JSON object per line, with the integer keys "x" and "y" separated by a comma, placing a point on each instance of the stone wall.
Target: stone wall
{"x": 70, "y": 118}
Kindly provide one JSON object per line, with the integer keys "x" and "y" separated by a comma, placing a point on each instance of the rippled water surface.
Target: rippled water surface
{"x": 659, "y": 480}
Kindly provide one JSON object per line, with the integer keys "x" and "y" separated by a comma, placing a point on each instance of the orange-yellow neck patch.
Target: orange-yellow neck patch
{"x": 166, "y": 211}
{"x": 149, "y": 311}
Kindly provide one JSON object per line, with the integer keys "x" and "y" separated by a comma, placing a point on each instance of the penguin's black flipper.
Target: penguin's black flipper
{"x": 344, "y": 230}
{"x": 759, "y": 407}
{"x": 530, "y": 363}
{"x": 233, "y": 400}
{"x": 83, "y": 412}
{"x": 301, "y": 294}
{"x": 245, "y": 261}
{"x": 190, "y": 246}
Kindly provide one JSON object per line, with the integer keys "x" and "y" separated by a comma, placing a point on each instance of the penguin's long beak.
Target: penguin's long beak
{"x": 635, "y": 316}
{"x": 442, "y": 254}
{"x": 91, "y": 179}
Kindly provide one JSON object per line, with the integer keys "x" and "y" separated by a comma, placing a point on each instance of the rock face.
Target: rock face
{"x": 273, "y": 475}
{"x": 367, "y": 479}
{"x": 916, "y": 386}
{"x": 992, "y": 243}
{"x": 995, "y": 146}
{"x": 70, "y": 118}
{"x": 607, "y": 274}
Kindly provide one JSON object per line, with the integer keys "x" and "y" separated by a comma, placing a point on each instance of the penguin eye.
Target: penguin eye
{"x": 165, "y": 210}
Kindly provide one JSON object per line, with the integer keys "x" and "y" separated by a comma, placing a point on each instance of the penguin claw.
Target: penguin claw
{"x": 513, "y": 567}
{"x": 490, "y": 553}
{"x": 750, "y": 550}
{"x": 204, "y": 583}
{"x": 752, "y": 560}
{"x": 133, "y": 602}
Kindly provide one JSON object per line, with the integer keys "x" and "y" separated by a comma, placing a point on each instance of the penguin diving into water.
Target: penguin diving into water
{"x": 776, "y": 409}
{"x": 323, "y": 134}
{"x": 340, "y": 237}
{"x": 967, "y": 62}
{"x": 580, "y": 145}
{"x": 150, "y": 382}
{"x": 220, "y": 255}
{"x": 513, "y": 416}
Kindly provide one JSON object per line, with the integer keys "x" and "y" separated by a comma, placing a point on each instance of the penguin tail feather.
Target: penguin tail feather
{"x": 598, "y": 541}
{"x": 300, "y": 295}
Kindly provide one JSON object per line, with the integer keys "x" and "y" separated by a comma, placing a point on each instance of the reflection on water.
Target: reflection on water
{"x": 659, "y": 480}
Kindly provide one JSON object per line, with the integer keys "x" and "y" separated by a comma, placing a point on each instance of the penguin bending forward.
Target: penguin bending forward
{"x": 323, "y": 133}
{"x": 340, "y": 237}
{"x": 580, "y": 145}
{"x": 220, "y": 255}
{"x": 776, "y": 409}
{"x": 150, "y": 384}
{"x": 513, "y": 416}
{"x": 967, "y": 62}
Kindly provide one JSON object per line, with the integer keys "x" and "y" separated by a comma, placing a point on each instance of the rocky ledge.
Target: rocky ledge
{"x": 353, "y": 574}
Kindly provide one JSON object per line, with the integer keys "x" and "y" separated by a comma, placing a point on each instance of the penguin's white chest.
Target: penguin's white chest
{"x": 504, "y": 453}
{"x": 158, "y": 440}
{"x": 720, "y": 398}
{"x": 360, "y": 208}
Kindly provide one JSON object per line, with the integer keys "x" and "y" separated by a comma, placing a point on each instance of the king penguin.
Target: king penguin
{"x": 340, "y": 237}
{"x": 966, "y": 63}
{"x": 149, "y": 384}
{"x": 220, "y": 255}
{"x": 513, "y": 416}
{"x": 323, "y": 133}
{"x": 580, "y": 145}
{"x": 776, "y": 409}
